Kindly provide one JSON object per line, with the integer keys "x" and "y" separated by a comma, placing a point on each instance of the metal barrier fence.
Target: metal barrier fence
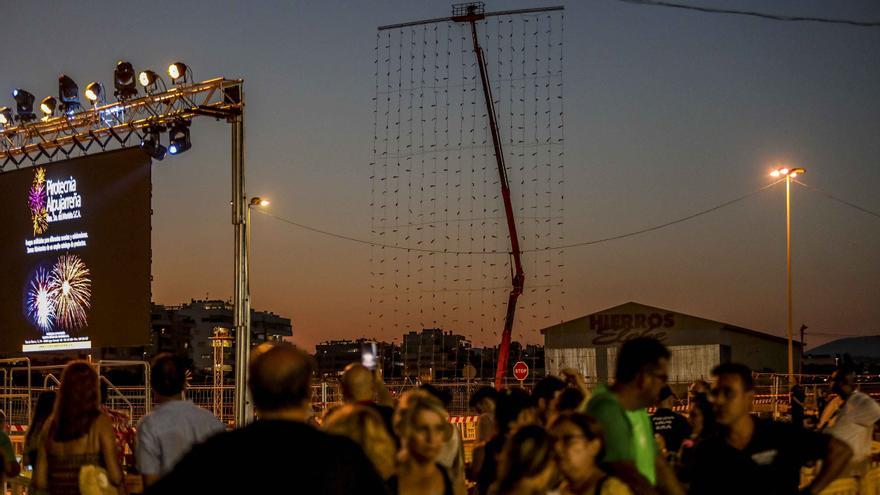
{"x": 22, "y": 384}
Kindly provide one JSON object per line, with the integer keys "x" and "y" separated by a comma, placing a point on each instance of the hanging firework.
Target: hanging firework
{"x": 37, "y": 202}
{"x": 71, "y": 289}
{"x": 40, "y": 304}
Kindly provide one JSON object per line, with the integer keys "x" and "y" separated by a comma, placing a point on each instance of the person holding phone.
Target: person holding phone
{"x": 362, "y": 386}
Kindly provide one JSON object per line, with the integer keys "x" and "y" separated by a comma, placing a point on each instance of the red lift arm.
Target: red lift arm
{"x": 518, "y": 276}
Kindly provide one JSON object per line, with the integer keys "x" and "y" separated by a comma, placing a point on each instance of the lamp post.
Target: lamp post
{"x": 789, "y": 174}
{"x": 244, "y": 411}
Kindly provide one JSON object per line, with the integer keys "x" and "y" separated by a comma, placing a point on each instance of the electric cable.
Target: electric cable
{"x": 566, "y": 246}
{"x": 834, "y": 198}
{"x": 762, "y": 15}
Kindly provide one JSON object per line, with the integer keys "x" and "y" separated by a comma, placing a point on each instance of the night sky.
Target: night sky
{"x": 668, "y": 112}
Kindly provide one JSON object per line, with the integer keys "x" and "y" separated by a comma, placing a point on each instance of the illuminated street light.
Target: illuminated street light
{"x": 245, "y": 339}
{"x": 789, "y": 174}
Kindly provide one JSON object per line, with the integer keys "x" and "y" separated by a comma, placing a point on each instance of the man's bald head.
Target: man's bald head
{"x": 357, "y": 383}
{"x": 280, "y": 377}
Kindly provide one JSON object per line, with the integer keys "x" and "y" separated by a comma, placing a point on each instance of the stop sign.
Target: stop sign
{"x": 520, "y": 370}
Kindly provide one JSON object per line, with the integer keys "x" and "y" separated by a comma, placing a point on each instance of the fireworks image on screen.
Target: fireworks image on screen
{"x": 37, "y": 202}
{"x": 40, "y": 304}
{"x": 71, "y": 289}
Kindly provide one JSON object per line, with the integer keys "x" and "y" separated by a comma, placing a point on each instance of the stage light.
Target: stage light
{"x": 176, "y": 71}
{"x": 5, "y": 116}
{"x": 68, "y": 94}
{"x": 24, "y": 105}
{"x": 151, "y": 142}
{"x": 148, "y": 80}
{"x": 178, "y": 138}
{"x": 123, "y": 81}
{"x": 48, "y": 106}
{"x": 94, "y": 92}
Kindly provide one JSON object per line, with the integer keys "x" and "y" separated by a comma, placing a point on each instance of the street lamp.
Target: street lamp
{"x": 243, "y": 406}
{"x": 788, "y": 174}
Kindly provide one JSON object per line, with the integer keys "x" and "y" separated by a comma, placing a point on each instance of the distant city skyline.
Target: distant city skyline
{"x": 667, "y": 113}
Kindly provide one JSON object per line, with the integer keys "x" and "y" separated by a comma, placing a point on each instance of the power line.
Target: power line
{"x": 772, "y": 17}
{"x": 550, "y": 248}
{"x": 371, "y": 243}
{"x": 871, "y": 333}
{"x": 668, "y": 224}
{"x": 832, "y": 197}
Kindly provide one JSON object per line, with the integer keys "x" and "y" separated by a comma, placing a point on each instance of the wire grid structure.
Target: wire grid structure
{"x": 434, "y": 183}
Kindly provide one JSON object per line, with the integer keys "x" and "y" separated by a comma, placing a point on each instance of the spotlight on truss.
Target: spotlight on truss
{"x": 178, "y": 138}
{"x": 95, "y": 93}
{"x": 148, "y": 80}
{"x": 123, "y": 81}
{"x": 24, "y": 105}
{"x": 177, "y": 72}
{"x": 5, "y": 116}
{"x": 68, "y": 94}
{"x": 151, "y": 143}
{"x": 48, "y": 106}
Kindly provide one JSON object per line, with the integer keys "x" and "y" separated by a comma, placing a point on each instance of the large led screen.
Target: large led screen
{"x": 75, "y": 254}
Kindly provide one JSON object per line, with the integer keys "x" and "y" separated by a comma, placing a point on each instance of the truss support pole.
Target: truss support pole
{"x": 241, "y": 302}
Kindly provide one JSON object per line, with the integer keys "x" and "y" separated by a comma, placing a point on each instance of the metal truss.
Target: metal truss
{"x": 117, "y": 123}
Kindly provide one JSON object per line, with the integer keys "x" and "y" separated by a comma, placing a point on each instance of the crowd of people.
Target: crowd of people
{"x": 561, "y": 438}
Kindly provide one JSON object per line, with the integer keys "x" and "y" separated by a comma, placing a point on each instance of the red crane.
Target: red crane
{"x": 472, "y": 13}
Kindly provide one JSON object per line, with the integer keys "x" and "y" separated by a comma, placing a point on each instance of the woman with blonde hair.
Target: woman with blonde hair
{"x": 365, "y": 427}
{"x": 79, "y": 449}
{"x": 423, "y": 426}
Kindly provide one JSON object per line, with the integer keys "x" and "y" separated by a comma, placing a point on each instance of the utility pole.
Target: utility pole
{"x": 803, "y": 348}
{"x": 788, "y": 174}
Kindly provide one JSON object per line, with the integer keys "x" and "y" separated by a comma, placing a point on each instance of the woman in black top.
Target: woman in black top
{"x": 526, "y": 465}
{"x": 423, "y": 426}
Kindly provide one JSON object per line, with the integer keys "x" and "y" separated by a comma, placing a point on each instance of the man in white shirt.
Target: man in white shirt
{"x": 175, "y": 425}
{"x": 854, "y": 420}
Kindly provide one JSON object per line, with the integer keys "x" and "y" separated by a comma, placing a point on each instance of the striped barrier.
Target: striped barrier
{"x": 456, "y": 420}
{"x": 17, "y": 429}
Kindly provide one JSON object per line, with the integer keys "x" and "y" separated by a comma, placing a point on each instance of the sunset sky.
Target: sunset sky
{"x": 667, "y": 112}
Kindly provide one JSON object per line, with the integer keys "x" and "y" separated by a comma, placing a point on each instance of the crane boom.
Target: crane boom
{"x": 472, "y": 14}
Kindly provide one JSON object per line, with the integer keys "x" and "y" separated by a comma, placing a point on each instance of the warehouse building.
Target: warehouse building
{"x": 590, "y": 343}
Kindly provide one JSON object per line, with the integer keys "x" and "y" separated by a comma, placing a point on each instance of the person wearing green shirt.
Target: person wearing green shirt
{"x": 631, "y": 453}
